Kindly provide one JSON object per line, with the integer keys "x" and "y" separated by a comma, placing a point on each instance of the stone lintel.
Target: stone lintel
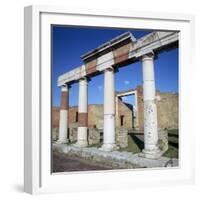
{"x": 126, "y": 93}
{"x": 72, "y": 75}
{"x": 108, "y": 46}
{"x": 154, "y": 42}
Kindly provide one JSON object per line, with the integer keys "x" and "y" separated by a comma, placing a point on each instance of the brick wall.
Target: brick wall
{"x": 167, "y": 110}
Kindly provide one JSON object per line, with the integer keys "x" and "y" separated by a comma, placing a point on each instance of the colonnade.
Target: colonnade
{"x": 151, "y": 149}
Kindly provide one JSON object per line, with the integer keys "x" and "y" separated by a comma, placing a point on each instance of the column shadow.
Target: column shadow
{"x": 138, "y": 139}
{"x": 174, "y": 144}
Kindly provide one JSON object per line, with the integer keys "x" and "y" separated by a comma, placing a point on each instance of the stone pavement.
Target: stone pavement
{"x": 114, "y": 159}
{"x": 64, "y": 163}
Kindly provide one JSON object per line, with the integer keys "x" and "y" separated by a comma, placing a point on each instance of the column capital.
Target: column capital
{"x": 148, "y": 56}
{"x": 65, "y": 88}
{"x": 86, "y": 78}
{"x": 109, "y": 69}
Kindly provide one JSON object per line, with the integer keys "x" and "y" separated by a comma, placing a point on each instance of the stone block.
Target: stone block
{"x": 94, "y": 136}
{"x": 73, "y": 134}
{"x": 163, "y": 140}
{"x": 122, "y": 137}
{"x": 54, "y": 134}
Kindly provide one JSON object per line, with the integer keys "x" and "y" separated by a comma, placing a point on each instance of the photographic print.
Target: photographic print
{"x": 114, "y": 98}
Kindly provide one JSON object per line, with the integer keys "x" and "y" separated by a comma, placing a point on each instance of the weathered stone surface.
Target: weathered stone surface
{"x": 163, "y": 140}
{"x": 55, "y": 134}
{"x": 55, "y": 117}
{"x": 73, "y": 134}
{"x": 83, "y": 119}
{"x": 95, "y": 116}
{"x": 167, "y": 109}
{"x": 122, "y": 137}
{"x": 94, "y": 136}
{"x": 74, "y": 74}
{"x": 121, "y": 54}
{"x": 64, "y": 100}
{"x": 104, "y": 61}
{"x": 91, "y": 67}
{"x": 167, "y": 112}
{"x": 64, "y": 163}
{"x": 124, "y": 160}
{"x": 125, "y": 111}
{"x": 155, "y": 41}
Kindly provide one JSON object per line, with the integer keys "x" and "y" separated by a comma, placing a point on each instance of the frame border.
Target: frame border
{"x": 32, "y": 79}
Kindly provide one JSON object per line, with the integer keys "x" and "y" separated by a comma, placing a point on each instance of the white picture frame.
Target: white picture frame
{"x": 37, "y": 142}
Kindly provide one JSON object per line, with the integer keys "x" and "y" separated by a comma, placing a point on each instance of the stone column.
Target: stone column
{"x": 82, "y": 134}
{"x": 63, "y": 123}
{"x": 151, "y": 149}
{"x": 109, "y": 111}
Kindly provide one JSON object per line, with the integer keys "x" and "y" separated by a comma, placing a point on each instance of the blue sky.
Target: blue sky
{"x": 69, "y": 43}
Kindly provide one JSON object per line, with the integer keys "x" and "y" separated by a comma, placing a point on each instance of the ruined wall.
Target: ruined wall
{"x": 124, "y": 117}
{"x": 73, "y": 116}
{"x": 167, "y": 109}
{"x": 55, "y": 117}
{"x": 95, "y": 116}
{"x": 140, "y": 108}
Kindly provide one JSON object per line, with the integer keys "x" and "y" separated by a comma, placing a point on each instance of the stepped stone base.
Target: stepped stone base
{"x": 114, "y": 159}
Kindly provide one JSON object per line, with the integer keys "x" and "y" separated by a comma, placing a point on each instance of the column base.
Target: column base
{"x": 153, "y": 154}
{"x": 66, "y": 141}
{"x": 109, "y": 147}
{"x": 81, "y": 143}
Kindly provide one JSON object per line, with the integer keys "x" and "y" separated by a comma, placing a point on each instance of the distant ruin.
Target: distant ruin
{"x": 154, "y": 111}
{"x": 127, "y": 118}
{"x": 167, "y": 106}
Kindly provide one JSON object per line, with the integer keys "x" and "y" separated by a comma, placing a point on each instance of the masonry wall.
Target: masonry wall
{"x": 125, "y": 115}
{"x": 95, "y": 116}
{"x": 167, "y": 110}
{"x": 55, "y": 117}
{"x": 140, "y": 108}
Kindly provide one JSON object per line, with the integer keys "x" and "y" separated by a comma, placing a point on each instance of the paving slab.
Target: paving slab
{"x": 114, "y": 159}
